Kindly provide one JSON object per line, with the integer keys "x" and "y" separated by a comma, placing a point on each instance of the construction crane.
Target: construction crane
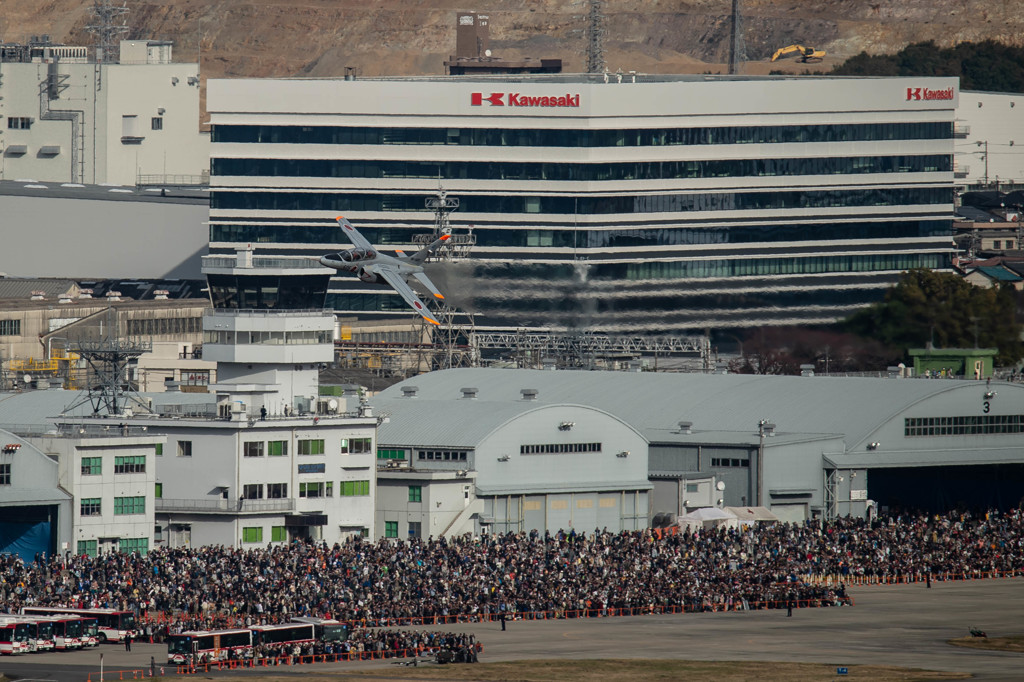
{"x": 807, "y": 54}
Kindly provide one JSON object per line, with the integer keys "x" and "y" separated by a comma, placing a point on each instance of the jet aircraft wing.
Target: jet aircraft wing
{"x": 358, "y": 240}
{"x": 398, "y": 284}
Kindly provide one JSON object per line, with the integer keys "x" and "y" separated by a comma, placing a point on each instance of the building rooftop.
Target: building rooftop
{"x": 846, "y": 406}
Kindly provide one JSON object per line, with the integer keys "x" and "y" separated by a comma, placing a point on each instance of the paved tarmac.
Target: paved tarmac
{"x": 894, "y": 625}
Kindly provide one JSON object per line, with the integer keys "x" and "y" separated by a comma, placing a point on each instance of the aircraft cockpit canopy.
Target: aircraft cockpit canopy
{"x": 351, "y": 255}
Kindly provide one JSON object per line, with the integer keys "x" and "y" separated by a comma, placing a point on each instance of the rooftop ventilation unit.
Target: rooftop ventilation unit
{"x": 528, "y": 393}
{"x": 469, "y": 393}
{"x": 685, "y": 427}
{"x": 409, "y": 391}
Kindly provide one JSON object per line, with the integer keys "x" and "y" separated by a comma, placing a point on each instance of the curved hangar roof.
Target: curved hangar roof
{"x": 852, "y": 407}
{"x": 464, "y": 425}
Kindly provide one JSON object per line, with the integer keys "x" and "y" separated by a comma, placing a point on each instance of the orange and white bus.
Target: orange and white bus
{"x": 112, "y": 625}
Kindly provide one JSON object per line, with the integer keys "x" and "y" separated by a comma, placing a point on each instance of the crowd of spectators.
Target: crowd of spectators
{"x": 361, "y": 643}
{"x": 392, "y": 582}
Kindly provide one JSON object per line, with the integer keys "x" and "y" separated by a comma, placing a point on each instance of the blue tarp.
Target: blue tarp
{"x": 25, "y": 539}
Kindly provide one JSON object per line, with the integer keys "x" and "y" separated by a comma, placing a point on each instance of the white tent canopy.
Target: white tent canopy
{"x": 752, "y": 514}
{"x": 708, "y": 514}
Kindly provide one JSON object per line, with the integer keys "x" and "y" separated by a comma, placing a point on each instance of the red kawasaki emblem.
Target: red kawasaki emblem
{"x": 515, "y": 99}
{"x": 927, "y": 94}
{"x": 477, "y": 99}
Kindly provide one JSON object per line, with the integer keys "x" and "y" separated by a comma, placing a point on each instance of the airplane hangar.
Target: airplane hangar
{"x": 805, "y": 447}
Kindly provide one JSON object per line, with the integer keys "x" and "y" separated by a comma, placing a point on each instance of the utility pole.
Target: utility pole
{"x": 737, "y": 52}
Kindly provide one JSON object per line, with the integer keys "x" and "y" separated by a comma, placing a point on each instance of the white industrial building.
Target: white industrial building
{"x": 479, "y": 465}
{"x": 990, "y": 142}
{"x": 805, "y": 447}
{"x": 70, "y": 119}
{"x": 35, "y": 509}
{"x": 642, "y": 203}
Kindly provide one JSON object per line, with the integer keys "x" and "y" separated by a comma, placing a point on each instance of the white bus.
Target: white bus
{"x": 325, "y": 629}
{"x": 11, "y": 642}
{"x": 207, "y": 645}
{"x": 113, "y": 625}
{"x": 39, "y": 628}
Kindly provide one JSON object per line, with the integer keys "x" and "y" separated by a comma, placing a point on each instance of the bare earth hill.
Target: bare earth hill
{"x": 413, "y": 37}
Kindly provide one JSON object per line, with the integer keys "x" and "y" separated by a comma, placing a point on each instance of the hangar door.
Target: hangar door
{"x": 27, "y": 531}
{"x": 791, "y": 513}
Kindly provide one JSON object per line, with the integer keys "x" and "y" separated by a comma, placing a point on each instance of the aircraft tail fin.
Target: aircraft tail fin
{"x": 425, "y": 252}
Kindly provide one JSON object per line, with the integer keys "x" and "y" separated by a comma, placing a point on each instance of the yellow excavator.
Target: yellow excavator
{"x": 807, "y": 54}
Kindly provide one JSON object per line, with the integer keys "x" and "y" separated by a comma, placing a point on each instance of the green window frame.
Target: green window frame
{"x": 252, "y": 534}
{"x": 354, "y": 488}
{"x": 158, "y": 490}
{"x": 277, "y": 448}
{"x": 311, "y": 489}
{"x": 129, "y": 545}
{"x": 329, "y": 487}
{"x": 278, "y": 534}
{"x": 159, "y": 447}
{"x": 312, "y": 446}
{"x": 88, "y": 548}
{"x": 130, "y": 464}
{"x": 385, "y": 453}
{"x": 92, "y": 466}
{"x": 415, "y": 493}
{"x": 391, "y": 529}
{"x": 90, "y": 506}
{"x": 129, "y": 505}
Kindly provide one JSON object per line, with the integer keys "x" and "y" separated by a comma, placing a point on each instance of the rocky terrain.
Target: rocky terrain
{"x": 412, "y": 37}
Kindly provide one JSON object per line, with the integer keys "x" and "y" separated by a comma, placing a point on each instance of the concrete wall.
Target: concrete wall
{"x": 94, "y": 239}
{"x": 995, "y": 118}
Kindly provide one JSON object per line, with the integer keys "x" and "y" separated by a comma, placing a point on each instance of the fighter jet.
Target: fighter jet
{"x": 374, "y": 267}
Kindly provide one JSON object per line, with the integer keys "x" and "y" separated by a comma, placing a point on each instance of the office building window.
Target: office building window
{"x": 277, "y": 491}
{"x": 134, "y": 464}
{"x": 558, "y": 448}
{"x": 184, "y": 448}
{"x": 90, "y": 506}
{"x": 355, "y": 488}
{"x": 252, "y": 534}
{"x": 157, "y": 123}
{"x": 10, "y": 327}
{"x": 252, "y": 449}
{"x": 19, "y": 123}
{"x": 277, "y": 448}
{"x": 5, "y": 474}
{"x": 158, "y": 491}
{"x": 311, "y": 447}
{"x": 415, "y": 493}
{"x": 329, "y": 488}
{"x": 87, "y": 548}
{"x": 278, "y": 534}
{"x": 311, "y": 489}
{"x": 159, "y": 449}
{"x": 128, "y": 545}
{"x": 253, "y": 491}
{"x": 692, "y": 487}
{"x": 92, "y": 466}
{"x": 391, "y": 529}
{"x": 415, "y": 529}
{"x": 356, "y": 446}
{"x": 390, "y": 454}
{"x": 129, "y": 505}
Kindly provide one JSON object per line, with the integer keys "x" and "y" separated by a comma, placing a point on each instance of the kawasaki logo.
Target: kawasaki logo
{"x": 515, "y": 99}
{"x": 925, "y": 93}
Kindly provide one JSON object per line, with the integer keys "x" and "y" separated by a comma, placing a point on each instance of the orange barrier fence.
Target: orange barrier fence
{"x": 238, "y": 663}
{"x": 906, "y": 579}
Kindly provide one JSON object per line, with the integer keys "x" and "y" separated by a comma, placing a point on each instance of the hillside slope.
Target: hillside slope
{"x": 413, "y": 37}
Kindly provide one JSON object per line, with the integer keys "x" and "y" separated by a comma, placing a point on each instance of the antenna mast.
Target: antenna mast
{"x": 111, "y": 23}
{"x": 595, "y": 37}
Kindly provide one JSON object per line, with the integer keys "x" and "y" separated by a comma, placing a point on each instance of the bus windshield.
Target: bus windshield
{"x": 22, "y": 632}
{"x": 179, "y": 644}
{"x": 90, "y": 627}
{"x": 44, "y": 630}
{"x": 127, "y": 621}
{"x": 73, "y": 628}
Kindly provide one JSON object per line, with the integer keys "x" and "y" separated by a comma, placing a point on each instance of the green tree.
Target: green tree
{"x": 987, "y": 66}
{"x": 945, "y": 309}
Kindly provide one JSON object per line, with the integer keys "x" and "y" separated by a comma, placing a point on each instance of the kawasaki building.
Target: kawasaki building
{"x": 636, "y": 203}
